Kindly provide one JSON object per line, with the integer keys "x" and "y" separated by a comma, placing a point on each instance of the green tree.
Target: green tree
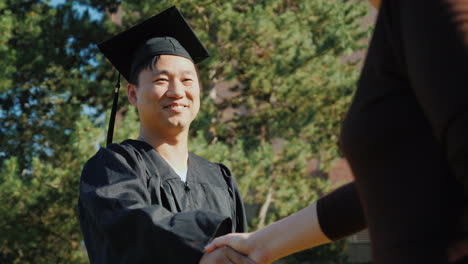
{"x": 289, "y": 90}
{"x": 45, "y": 78}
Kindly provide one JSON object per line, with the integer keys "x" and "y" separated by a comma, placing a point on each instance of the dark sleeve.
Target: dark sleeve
{"x": 121, "y": 225}
{"x": 340, "y": 213}
{"x": 240, "y": 219}
{"x": 434, "y": 39}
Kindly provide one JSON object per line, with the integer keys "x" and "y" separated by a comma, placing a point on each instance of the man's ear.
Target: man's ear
{"x": 132, "y": 94}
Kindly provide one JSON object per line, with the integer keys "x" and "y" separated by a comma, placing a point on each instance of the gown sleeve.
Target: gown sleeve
{"x": 120, "y": 224}
{"x": 340, "y": 213}
{"x": 241, "y": 219}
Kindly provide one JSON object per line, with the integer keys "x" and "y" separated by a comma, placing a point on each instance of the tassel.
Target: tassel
{"x": 110, "y": 130}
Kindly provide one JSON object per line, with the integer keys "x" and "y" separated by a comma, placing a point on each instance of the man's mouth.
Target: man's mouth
{"x": 175, "y": 106}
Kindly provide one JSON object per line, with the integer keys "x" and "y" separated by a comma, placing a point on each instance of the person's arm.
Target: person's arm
{"x": 121, "y": 223}
{"x": 239, "y": 208}
{"x": 338, "y": 213}
{"x": 294, "y": 233}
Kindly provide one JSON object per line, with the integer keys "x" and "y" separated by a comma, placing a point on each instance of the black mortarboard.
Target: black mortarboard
{"x": 166, "y": 33}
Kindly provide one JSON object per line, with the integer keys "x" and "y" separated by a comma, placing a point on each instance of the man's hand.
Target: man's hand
{"x": 240, "y": 242}
{"x": 225, "y": 255}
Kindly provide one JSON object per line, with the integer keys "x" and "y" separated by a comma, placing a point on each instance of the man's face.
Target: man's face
{"x": 167, "y": 97}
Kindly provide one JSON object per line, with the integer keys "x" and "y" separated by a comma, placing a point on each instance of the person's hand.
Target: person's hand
{"x": 237, "y": 241}
{"x": 240, "y": 242}
{"x": 225, "y": 255}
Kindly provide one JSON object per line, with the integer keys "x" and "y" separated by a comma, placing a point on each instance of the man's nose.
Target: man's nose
{"x": 176, "y": 90}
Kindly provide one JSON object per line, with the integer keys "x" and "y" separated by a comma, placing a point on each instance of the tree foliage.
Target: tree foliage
{"x": 289, "y": 88}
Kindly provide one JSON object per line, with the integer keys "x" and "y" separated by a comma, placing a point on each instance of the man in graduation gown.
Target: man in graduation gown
{"x": 149, "y": 200}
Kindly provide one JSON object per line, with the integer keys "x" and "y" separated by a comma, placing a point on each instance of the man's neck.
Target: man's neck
{"x": 172, "y": 147}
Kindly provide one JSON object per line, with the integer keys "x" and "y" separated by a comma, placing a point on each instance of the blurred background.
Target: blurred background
{"x": 278, "y": 84}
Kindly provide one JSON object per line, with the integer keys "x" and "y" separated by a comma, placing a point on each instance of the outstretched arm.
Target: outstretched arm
{"x": 333, "y": 217}
{"x": 289, "y": 235}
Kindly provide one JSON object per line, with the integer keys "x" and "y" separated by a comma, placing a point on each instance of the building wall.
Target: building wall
{"x": 359, "y": 248}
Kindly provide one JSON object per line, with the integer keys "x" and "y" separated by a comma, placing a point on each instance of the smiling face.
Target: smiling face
{"x": 167, "y": 96}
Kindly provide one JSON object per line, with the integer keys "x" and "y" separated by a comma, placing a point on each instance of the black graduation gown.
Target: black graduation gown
{"x": 135, "y": 209}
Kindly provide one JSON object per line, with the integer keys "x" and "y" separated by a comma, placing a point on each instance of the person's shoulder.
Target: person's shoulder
{"x": 129, "y": 146}
{"x": 206, "y": 164}
{"x": 114, "y": 150}
{"x": 115, "y": 155}
{"x": 200, "y": 161}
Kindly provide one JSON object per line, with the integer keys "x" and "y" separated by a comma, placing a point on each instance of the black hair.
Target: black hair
{"x": 148, "y": 64}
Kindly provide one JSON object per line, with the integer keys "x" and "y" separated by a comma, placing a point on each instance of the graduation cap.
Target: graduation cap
{"x": 166, "y": 33}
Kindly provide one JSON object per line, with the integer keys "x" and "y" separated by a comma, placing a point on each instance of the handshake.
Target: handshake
{"x": 282, "y": 238}
{"x": 233, "y": 248}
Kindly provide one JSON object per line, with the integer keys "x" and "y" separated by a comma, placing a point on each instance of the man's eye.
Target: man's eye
{"x": 187, "y": 80}
{"x": 160, "y": 80}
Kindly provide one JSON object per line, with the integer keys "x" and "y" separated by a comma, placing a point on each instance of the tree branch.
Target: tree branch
{"x": 264, "y": 209}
